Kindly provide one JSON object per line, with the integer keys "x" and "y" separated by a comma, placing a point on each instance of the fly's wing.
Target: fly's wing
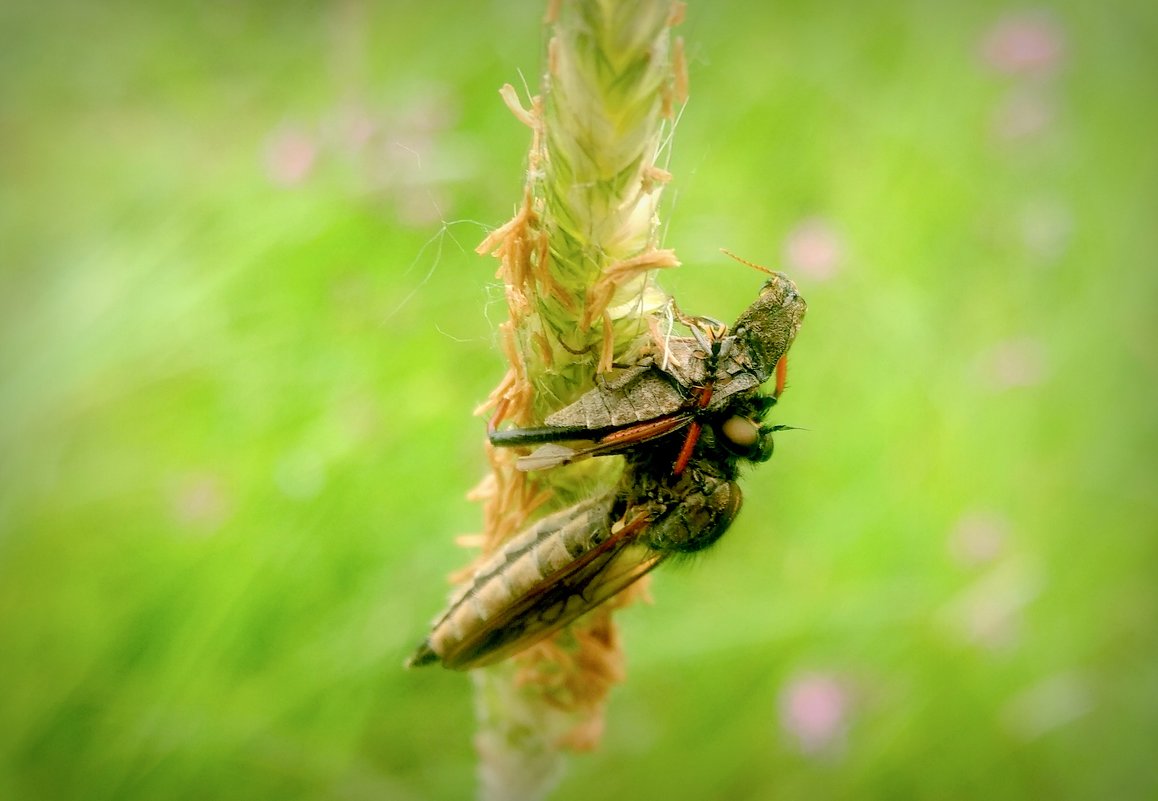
{"x": 618, "y": 441}
{"x": 541, "y": 581}
{"x": 557, "y": 601}
{"x": 641, "y": 405}
{"x": 601, "y": 410}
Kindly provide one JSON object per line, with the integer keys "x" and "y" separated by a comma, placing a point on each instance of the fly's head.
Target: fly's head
{"x": 747, "y": 438}
{"x": 742, "y": 433}
{"x": 766, "y": 329}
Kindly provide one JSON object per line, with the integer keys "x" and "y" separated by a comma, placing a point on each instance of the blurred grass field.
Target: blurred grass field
{"x": 243, "y": 331}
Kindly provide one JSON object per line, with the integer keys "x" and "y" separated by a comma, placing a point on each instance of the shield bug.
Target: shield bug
{"x": 696, "y": 379}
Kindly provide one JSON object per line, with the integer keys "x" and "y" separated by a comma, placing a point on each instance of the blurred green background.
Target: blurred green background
{"x": 243, "y": 332}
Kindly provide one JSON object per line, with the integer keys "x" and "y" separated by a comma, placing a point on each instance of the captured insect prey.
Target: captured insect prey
{"x": 683, "y": 418}
{"x": 688, "y": 381}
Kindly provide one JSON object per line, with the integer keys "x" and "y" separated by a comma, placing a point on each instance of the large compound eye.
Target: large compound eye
{"x": 742, "y": 433}
{"x": 747, "y": 438}
{"x": 764, "y": 448}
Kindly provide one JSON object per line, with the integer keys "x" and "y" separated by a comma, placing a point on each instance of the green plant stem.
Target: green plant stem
{"x": 578, "y": 261}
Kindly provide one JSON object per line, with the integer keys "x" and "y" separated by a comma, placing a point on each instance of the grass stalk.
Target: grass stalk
{"x": 578, "y": 261}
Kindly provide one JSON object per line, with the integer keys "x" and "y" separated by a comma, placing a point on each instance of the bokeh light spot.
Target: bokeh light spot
{"x": 1017, "y": 362}
{"x": 290, "y": 157}
{"x": 1026, "y": 42}
{"x": 201, "y": 501}
{"x": 814, "y": 712}
{"x": 1047, "y": 705}
{"x": 813, "y": 248}
{"x": 978, "y": 537}
{"x": 1022, "y": 114}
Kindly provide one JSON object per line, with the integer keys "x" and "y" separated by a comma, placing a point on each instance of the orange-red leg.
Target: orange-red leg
{"x": 703, "y": 398}
{"x": 781, "y": 375}
{"x": 689, "y": 446}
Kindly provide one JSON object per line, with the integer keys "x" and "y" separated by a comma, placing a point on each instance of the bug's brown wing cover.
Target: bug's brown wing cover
{"x": 561, "y": 567}
{"x": 640, "y": 394}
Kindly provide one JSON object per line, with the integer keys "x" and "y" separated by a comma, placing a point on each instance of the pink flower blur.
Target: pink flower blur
{"x": 813, "y": 248}
{"x": 290, "y": 157}
{"x": 978, "y": 538}
{"x": 1022, "y": 114}
{"x": 1020, "y": 362}
{"x": 813, "y": 710}
{"x": 1024, "y": 43}
{"x": 1046, "y": 229}
{"x": 200, "y": 501}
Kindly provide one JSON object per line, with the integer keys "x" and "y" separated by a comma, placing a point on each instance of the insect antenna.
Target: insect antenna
{"x": 753, "y": 265}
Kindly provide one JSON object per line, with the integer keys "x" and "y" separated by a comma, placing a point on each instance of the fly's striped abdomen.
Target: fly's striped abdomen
{"x": 479, "y": 620}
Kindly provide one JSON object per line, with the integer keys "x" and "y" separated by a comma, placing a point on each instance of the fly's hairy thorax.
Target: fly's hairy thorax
{"x": 696, "y": 506}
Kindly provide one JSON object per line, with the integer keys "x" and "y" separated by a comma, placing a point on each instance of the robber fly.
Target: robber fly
{"x": 699, "y": 378}
{"x": 571, "y": 561}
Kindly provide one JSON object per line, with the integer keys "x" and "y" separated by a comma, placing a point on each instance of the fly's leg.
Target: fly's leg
{"x": 712, "y": 336}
